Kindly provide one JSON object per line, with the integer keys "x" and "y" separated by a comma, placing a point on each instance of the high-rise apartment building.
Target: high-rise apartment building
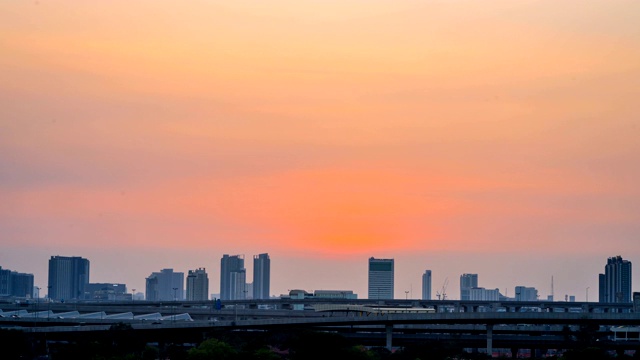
{"x": 261, "y": 276}
{"x": 524, "y": 293}
{"x": 615, "y": 283}
{"x": 68, "y": 277}
{"x": 381, "y": 278}
{"x": 165, "y": 285}
{"x": 467, "y": 282}
{"x": 426, "y": 285}
{"x": 233, "y": 277}
{"x": 197, "y": 285}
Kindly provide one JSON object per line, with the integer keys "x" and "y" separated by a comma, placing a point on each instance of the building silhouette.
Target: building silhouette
{"x": 13, "y": 283}
{"x": 68, "y": 277}
{"x": 524, "y": 293}
{"x": 381, "y": 273}
{"x": 615, "y": 284}
{"x": 197, "y": 285}
{"x": 107, "y": 291}
{"x": 467, "y": 282}
{"x": 261, "y": 276}
{"x": 248, "y": 290}
{"x": 233, "y": 277}
{"x": 482, "y": 294}
{"x": 426, "y": 285}
{"x": 165, "y": 285}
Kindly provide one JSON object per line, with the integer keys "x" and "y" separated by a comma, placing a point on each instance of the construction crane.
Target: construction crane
{"x": 442, "y": 294}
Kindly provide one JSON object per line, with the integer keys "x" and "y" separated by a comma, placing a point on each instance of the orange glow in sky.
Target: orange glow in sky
{"x": 329, "y": 131}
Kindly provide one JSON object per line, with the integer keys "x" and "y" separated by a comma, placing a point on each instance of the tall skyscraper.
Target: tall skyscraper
{"x": 426, "y": 285}
{"x": 197, "y": 285}
{"x": 233, "y": 277}
{"x": 68, "y": 277}
{"x": 261, "y": 276}
{"x": 165, "y": 285}
{"x": 615, "y": 283}
{"x": 381, "y": 278}
{"x": 467, "y": 282}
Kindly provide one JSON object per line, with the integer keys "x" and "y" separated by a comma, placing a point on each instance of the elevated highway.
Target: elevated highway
{"x": 289, "y": 304}
{"x": 496, "y": 326}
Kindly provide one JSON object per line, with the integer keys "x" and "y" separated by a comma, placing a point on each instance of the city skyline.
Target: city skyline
{"x": 511, "y": 291}
{"x": 498, "y": 138}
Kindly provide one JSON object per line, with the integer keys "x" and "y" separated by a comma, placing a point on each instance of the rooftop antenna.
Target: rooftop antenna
{"x": 552, "y": 295}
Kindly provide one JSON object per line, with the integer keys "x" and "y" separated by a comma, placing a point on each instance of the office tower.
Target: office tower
{"x": 68, "y": 277}
{"x": 426, "y": 285}
{"x": 636, "y": 302}
{"x": 197, "y": 285}
{"x": 615, "y": 283}
{"x": 151, "y": 287}
{"x": 467, "y": 282}
{"x": 232, "y": 277}
{"x": 165, "y": 285}
{"x": 524, "y": 293}
{"x": 380, "y": 278}
{"x": 261, "y": 276}
{"x": 21, "y": 284}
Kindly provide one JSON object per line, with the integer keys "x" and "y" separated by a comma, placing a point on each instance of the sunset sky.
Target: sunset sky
{"x": 492, "y": 137}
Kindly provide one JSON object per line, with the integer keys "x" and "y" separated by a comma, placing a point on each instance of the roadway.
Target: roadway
{"x": 493, "y": 328}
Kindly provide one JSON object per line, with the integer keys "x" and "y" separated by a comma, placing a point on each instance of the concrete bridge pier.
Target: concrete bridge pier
{"x": 490, "y": 339}
{"x": 389, "y": 330}
{"x": 514, "y": 353}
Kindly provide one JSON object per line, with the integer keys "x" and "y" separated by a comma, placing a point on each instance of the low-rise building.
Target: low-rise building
{"x": 524, "y": 293}
{"x": 482, "y": 294}
{"x": 106, "y": 291}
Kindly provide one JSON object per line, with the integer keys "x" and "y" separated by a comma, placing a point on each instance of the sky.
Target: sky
{"x": 492, "y": 137}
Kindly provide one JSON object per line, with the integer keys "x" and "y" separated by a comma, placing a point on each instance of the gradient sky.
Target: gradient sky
{"x": 491, "y": 137}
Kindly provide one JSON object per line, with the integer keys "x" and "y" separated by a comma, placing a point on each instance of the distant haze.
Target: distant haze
{"x": 492, "y": 137}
